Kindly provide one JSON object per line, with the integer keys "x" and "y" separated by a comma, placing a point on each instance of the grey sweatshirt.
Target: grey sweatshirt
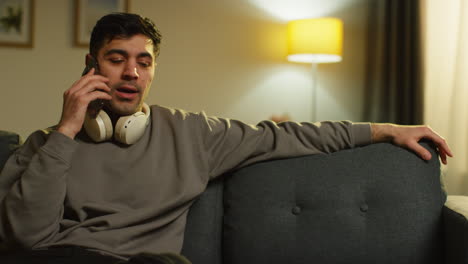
{"x": 123, "y": 200}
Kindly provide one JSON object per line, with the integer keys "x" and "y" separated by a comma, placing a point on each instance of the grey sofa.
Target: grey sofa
{"x": 375, "y": 204}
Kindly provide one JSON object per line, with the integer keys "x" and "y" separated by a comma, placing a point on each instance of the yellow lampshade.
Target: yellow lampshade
{"x": 315, "y": 40}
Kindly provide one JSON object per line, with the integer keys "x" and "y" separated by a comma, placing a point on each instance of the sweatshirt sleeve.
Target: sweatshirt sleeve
{"x": 231, "y": 144}
{"x": 33, "y": 187}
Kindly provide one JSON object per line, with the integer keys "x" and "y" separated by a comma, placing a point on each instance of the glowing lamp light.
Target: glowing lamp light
{"x": 315, "y": 40}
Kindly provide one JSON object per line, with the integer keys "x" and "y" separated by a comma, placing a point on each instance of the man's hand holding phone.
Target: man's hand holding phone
{"x": 77, "y": 98}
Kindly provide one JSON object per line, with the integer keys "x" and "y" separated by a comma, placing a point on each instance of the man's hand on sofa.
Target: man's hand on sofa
{"x": 409, "y": 136}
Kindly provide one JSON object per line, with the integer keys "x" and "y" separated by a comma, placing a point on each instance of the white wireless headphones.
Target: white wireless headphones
{"x": 128, "y": 129}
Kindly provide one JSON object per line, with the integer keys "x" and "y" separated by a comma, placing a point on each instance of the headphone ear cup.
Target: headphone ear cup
{"x": 130, "y": 128}
{"x": 99, "y": 128}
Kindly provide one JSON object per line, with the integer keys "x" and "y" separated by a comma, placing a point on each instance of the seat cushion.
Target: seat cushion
{"x": 376, "y": 204}
{"x": 203, "y": 233}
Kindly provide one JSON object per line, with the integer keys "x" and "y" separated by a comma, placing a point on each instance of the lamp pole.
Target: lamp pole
{"x": 313, "y": 107}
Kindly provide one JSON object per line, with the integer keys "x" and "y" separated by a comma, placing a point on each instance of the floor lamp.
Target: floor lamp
{"x": 315, "y": 40}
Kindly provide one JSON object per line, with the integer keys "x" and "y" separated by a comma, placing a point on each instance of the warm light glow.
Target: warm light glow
{"x": 315, "y": 40}
{"x": 284, "y": 11}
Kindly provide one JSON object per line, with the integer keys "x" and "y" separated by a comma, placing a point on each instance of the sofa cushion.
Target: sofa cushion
{"x": 376, "y": 204}
{"x": 9, "y": 141}
{"x": 203, "y": 233}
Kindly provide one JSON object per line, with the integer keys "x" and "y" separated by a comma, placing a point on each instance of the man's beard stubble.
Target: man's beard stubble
{"x": 122, "y": 106}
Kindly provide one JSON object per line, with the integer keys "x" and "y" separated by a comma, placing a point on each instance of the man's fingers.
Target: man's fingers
{"x": 85, "y": 80}
{"x": 90, "y": 72}
{"x": 84, "y": 91}
{"x": 79, "y": 101}
{"x": 444, "y": 146}
{"x": 426, "y": 155}
{"x": 409, "y": 136}
{"x": 103, "y": 95}
{"x": 93, "y": 86}
{"x": 420, "y": 150}
{"x": 97, "y": 95}
{"x": 443, "y": 157}
{"x": 440, "y": 142}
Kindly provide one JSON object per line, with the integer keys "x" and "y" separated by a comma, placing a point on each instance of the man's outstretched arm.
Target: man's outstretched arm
{"x": 409, "y": 136}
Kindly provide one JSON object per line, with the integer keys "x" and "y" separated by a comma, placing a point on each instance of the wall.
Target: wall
{"x": 222, "y": 56}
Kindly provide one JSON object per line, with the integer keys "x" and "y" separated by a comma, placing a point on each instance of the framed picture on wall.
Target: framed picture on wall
{"x": 88, "y": 12}
{"x": 16, "y": 23}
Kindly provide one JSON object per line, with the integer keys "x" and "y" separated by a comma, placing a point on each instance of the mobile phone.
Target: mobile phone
{"x": 91, "y": 63}
{"x": 94, "y": 106}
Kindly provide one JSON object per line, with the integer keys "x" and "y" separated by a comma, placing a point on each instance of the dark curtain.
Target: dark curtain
{"x": 394, "y": 91}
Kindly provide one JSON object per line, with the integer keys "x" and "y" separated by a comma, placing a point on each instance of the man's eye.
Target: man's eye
{"x": 144, "y": 64}
{"x": 116, "y": 60}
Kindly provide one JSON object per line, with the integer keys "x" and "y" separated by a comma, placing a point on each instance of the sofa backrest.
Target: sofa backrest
{"x": 375, "y": 204}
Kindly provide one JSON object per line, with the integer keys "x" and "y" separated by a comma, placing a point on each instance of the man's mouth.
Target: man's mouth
{"x": 127, "y": 89}
{"x": 126, "y": 92}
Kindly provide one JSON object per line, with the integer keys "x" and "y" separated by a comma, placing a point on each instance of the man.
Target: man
{"x": 116, "y": 191}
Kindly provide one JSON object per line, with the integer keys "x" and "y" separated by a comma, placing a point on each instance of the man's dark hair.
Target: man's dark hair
{"x": 122, "y": 26}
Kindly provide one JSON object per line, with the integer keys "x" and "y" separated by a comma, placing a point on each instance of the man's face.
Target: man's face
{"x": 129, "y": 65}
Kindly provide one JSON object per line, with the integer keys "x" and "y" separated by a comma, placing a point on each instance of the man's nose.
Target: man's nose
{"x": 130, "y": 72}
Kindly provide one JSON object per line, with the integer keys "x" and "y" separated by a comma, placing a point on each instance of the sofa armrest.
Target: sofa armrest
{"x": 9, "y": 142}
{"x": 455, "y": 217}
